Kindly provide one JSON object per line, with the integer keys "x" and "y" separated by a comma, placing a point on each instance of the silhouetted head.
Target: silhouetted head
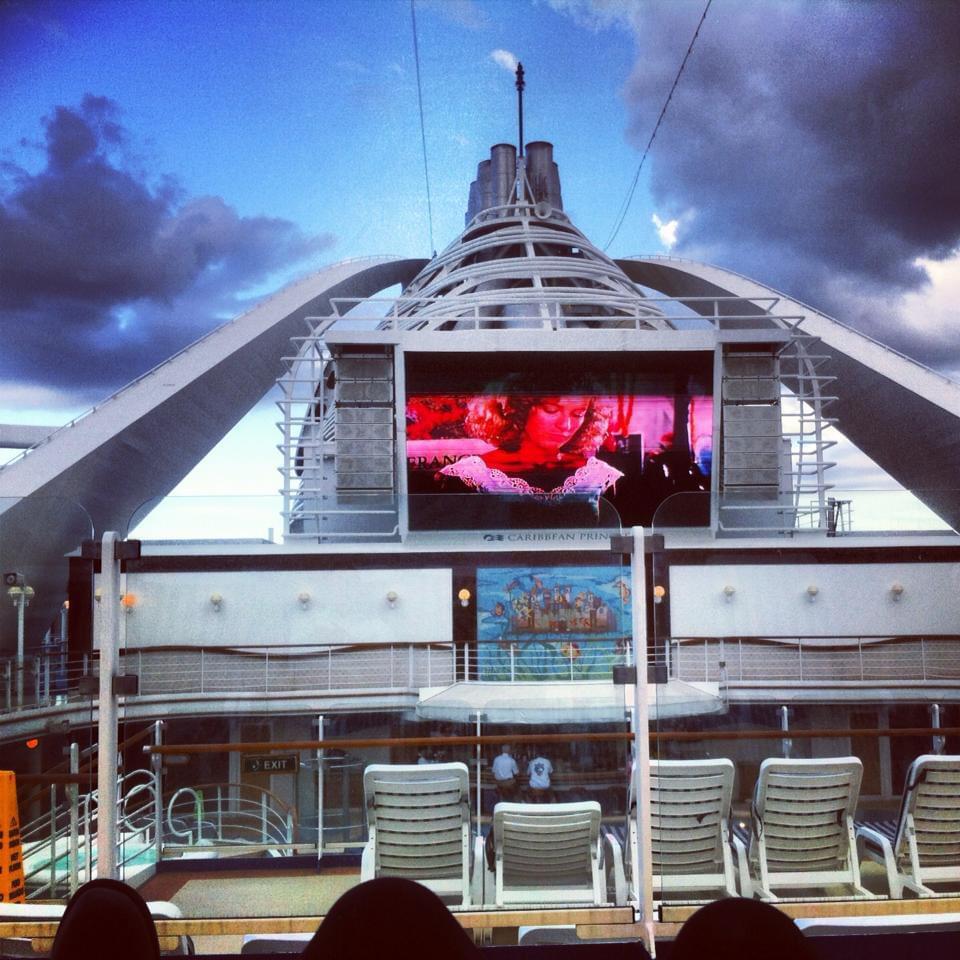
{"x": 390, "y": 917}
{"x": 740, "y": 929}
{"x": 108, "y": 920}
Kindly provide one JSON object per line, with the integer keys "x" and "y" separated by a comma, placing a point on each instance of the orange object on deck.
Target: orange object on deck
{"x": 12, "y": 889}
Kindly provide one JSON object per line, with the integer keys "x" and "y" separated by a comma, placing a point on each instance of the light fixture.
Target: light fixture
{"x": 18, "y": 595}
{"x": 216, "y": 601}
{"x": 812, "y": 592}
{"x": 128, "y": 601}
{"x": 659, "y": 593}
{"x": 896, "y": 592}
{"x": 464, "y": 597}
{"x": 304, "y": 599}
{"x": 392, "y": 598}
{"x": 728, "y": 592}
{"x": 98, "y": 594}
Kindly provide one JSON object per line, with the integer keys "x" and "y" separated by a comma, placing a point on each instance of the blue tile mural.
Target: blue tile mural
{"x": 552, "y": 622}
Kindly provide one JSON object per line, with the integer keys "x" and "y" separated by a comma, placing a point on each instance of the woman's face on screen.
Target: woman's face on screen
{"x": 553, "y": 421}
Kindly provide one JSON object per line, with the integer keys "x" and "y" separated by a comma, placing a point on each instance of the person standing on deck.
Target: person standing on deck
{"x": 505, "y": 773}
{"x": 539, "y": 770}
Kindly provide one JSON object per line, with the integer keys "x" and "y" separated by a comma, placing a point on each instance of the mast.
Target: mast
{"x": 521, "y": 173}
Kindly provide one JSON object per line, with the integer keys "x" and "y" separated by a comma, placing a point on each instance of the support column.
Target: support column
{"x": 109, "y": 637}
{"x": 643, "y": 872}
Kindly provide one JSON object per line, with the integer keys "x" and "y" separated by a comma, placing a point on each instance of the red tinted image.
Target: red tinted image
{"x": 562, "y": 446}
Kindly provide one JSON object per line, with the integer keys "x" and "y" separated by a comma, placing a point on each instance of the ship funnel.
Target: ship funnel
{"x": 503, "y": 172}
{"x": 496, "y": 178}
{"x": 543, "y": 174}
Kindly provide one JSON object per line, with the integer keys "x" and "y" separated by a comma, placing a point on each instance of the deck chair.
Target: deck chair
{"x": 418, "y": 817}
{"x": 802, "y": 825}
{"x": 548, "y": 853}
{"x": 691, "y": 840}
{"x": 923, "y": 845}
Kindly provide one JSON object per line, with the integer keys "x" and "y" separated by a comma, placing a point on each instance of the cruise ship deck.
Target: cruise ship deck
{"x": 544, "y": 514}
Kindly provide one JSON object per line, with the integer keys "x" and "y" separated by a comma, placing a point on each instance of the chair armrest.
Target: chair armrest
{"x": 477, "y": 885}
{"x": 874, "y": 844}
{"x": 615, "y": 870}
{"x": 743, "y": 866}
{"x": 367, "y": 862}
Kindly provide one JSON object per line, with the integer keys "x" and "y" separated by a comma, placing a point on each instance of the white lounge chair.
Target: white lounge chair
{"x": 691, "y": 838}
{"x": 923, "y": 845}
{"x": 41, "y": 912}
{"x": 419, "y": 824}
{"x": 802, "y": 825}
{"x": 548, "y": 853}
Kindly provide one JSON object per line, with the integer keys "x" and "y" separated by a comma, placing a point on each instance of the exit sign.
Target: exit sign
{"x": 271, "y": 764}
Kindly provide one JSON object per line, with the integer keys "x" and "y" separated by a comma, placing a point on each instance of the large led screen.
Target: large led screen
{"x": 551, "y": 623}
{"x": 514, "y": 440}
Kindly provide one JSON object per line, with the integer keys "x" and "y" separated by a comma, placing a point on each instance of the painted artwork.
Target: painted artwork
{"x": 552, "y": 623}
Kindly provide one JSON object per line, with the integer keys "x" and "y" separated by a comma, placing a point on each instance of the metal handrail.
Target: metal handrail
{"x": 266, "y": 820}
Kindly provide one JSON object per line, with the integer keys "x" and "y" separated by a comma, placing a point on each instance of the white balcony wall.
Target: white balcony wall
{"x": 814, "y": 600}
{"x": 263, "y": 608}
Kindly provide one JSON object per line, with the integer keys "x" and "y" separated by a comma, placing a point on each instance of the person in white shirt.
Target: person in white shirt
{"x": 539, "y": 770}
{"x": 505, "y": 773}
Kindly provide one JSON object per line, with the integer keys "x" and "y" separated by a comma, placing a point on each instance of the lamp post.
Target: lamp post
{"x": 20, "y": 596}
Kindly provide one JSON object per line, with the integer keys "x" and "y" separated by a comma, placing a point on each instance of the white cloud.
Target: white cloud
{"x": 937, "y": 305}
{"x": 667, "y": 231}
{"x": 505, "y": 59}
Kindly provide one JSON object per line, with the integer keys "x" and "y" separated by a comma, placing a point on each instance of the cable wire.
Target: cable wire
{"x": 625, "y": 206}
{"x": 423, "y": 135}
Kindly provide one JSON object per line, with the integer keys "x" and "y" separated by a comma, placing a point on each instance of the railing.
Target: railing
{"x": 816, "y": 659}
{"x": 60, "y": 846}
{"x": 51, "y": 680}
{"x": 554, "y": 657}
{"x": 225, "y": 813}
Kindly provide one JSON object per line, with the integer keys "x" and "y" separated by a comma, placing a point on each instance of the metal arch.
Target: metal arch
{"x": 137, "y": 446}
{"x": 901, "y": 414}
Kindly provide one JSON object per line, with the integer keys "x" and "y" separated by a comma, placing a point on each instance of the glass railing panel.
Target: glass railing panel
{"x": 47, "y": 684}
{"x": 829, "y": 652}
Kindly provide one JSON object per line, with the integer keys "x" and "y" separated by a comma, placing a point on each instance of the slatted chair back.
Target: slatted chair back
{"x": 418, "y": 817}
{"x": 802, "y": 824}
{"x": 928, "y": 830}
{"x": 548, "y": 853}
{"x": 690, "y": 825}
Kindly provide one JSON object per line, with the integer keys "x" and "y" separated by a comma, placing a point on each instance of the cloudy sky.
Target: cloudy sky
{"x": 162, "y": 165}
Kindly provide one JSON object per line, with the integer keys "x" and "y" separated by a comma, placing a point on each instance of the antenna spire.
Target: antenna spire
{"x": 520, "y": 86}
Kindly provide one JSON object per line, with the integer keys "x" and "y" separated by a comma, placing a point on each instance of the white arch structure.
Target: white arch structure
{"x": 137, "y": 445}
{"x": 901, "y": 414}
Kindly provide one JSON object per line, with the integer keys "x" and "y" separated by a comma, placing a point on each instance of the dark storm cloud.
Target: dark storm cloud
{"x": 814, "y": 145}
{"x": 121, "y": 269}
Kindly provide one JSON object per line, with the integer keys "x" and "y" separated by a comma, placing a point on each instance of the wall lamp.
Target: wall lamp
{"x": 216, "y": 601}
{"x": 728, "y": 592}
{"x": 392, "y": 598}
{"x": 812, "y": 592}
{"x": 896, "y": 592}
{"x": 659, "y": 593}
{"x": 128, "y": 601}
{"x": 304, "y": 599}
{"x": 464, "y": 597}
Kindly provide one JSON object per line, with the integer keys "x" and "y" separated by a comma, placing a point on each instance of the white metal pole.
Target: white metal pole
{"x": 107, "y": 710}
{"x": 320, "y": 753}
{"x": 157, "y": 762}
{"x": 643, "y": 877}
{"x": 21, "y": 604}
{"x": 73, "y": 792}
{"x": 479, "y": 719}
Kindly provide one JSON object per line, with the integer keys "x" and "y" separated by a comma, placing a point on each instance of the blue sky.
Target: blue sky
{"x": 163, "y": 164}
